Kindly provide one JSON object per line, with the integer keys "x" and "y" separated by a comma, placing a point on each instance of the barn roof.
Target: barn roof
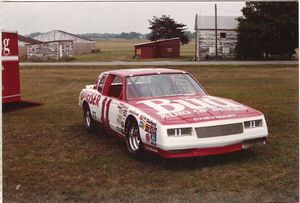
{"x": 223, "y": 22}
{"x": 153, "y": 42}
{"x": 64, "y": 32}
{"x": 40, "y": 42}
{"x": 73, "y": 35}
{"x": 27, "y": 39}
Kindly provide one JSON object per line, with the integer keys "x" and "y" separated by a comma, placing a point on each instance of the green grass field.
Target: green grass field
{"x": 123, "y": 50}
{"x": 49, "y": 156}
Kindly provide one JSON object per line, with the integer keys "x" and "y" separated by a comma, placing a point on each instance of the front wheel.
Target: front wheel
{"x": 133, "y": 140}
{"x": 89, "y": 122}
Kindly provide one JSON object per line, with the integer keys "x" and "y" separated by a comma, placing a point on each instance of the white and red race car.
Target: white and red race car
{"x": 169, "y": 113}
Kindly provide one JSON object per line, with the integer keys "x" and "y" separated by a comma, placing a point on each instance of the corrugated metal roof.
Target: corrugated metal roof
{"x": 223, "y": 22}
{"x": 40, "y": 42}
{"x": 74, "y": 35}
{"x": 27, "y": 39}
{"x": 52, "y": 32}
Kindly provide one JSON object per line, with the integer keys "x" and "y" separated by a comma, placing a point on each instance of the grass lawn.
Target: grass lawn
{"x": 123, "y": 50}
{"x": 49, "y": 156}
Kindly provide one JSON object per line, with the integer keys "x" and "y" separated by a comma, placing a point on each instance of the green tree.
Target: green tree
{"x": 268, "y": 29}
{"x": 166, "y": 27}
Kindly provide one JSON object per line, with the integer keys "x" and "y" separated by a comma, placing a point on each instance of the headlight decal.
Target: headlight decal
{"x": 253, "y": 124}
{"x": 176, "y": 132}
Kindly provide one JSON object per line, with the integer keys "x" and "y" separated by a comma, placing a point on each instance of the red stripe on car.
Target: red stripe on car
{"x": 107, "y": 112}
{"x": 102, "y": 111}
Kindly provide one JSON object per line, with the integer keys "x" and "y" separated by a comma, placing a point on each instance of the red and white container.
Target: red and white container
{"x": 10, "y": 67}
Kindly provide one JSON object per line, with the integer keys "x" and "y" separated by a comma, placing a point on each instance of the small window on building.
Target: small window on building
{"x": 169, "y": 50}
{"x": 138, "y": 51}
{"x": 225, "y": 50}
{"x": 223, "y": 34}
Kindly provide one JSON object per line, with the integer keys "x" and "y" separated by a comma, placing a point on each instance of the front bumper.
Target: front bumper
{"x": 210, "y": 151}
{"x": 192, "y": 145}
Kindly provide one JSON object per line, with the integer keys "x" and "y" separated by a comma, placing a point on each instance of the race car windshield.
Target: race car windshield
{"x": 147, "y": 86}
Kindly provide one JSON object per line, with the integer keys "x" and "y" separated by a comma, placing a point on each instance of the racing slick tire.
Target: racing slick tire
{"x": 89, "y": 122}
{"x": 133, "y": 140}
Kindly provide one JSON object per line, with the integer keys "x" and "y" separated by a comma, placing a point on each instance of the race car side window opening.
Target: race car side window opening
{"x": 115, "y": 89}
{"x": 148, "y": 86}
{"x": 101, "y": 83}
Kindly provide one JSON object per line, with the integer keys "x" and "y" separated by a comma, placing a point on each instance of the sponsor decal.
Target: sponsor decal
{"x": 148, "y": 137}
{"x": 150, "y": 128}
{"x": 142, "y": 124}
{"x": 94, "y": 114}
{"x": 173, "y": 108}
{"x": 119, "y": 118}
{"x": 153, "y": 139}
{"x": 6, "y": 50}
{"x": 92, "y": 98}
{"x": 151, "y": 149}
{"x": 205, "y": 118}
{"x": 119, "y": 129}
{"x": 133, "y": 112}
{"x": 122, "y": 114}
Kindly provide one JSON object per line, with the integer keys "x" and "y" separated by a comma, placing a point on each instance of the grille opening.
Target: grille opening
{"x": 219, "y": 130}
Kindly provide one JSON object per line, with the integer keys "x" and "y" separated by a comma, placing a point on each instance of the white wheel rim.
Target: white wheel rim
{"x": 87, "y": 118}
{"x": 134, "y": 140}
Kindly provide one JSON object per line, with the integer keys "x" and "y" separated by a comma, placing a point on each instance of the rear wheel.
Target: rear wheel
{"x": 133, "y": 140}
{"x": 89, "y": 122}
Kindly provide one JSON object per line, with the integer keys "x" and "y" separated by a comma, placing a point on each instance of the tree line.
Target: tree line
{"x": 123, "y": 35}
{"x": 266, "y": 30}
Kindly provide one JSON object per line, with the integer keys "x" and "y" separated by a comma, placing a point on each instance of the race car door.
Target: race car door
{"x": 113, "y": 101}
{"x": 97, "y": 98}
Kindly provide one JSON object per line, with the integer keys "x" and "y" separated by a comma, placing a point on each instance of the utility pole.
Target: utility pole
{"x": 196, "y": 38}
{"x": 216, "y": 33}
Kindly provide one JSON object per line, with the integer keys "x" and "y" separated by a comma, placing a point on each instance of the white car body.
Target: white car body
{"x": 234, "y": 125}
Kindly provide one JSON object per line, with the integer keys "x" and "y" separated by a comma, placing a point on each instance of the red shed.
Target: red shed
{"x": 10, "y": 67}
{"x": 166, "y": 48}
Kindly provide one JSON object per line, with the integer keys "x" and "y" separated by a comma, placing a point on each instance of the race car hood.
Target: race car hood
{"x": 193, "y": 108}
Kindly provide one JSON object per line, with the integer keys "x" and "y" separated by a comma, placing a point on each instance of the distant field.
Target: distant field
{"x": 49, "y": 157}
{"x": 123, "y": 50}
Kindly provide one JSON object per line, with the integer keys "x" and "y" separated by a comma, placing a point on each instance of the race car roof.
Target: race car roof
{"x": 142, "y": 71}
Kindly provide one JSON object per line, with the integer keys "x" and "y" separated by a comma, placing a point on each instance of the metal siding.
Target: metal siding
{"x": 159, "y": 50}
{"x": 147, "y": 52}
{"x": 163, "y": 49}
{"x": 49, "y": 50}
{"x": 207, "y": 39}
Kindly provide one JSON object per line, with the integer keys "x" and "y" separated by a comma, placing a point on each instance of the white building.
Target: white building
{"x": 81, "y": 45}
{"x": 206, "y": 38}
{"x": 22, "y": 42}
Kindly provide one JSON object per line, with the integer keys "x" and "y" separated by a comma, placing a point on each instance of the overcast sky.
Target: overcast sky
{"x": 104, "y": 17}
